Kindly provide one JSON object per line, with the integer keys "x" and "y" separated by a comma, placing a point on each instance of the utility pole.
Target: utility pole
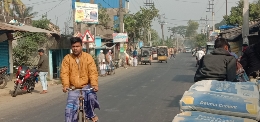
{"x": 245, "y": 32}
{"x": 226, "y": 7}
{"x": 3, "y": 9}
{"x": 90, "y": 30}
{"x": 121, "y": 17}
{"x": 211, "y": 9}
{"x": 121, "y": 26}
{"x": 76, "y": 26}
{"x": 162, "y": 23}
{"x": 206, "y": 26}
{"x": 65, "y": 28}
{"x": 148, "y": 3}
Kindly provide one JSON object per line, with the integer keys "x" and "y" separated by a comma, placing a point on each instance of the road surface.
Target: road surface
{"x": 147, "y": 93}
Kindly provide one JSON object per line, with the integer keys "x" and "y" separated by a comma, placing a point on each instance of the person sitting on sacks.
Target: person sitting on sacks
{"x": 219, "y": 65}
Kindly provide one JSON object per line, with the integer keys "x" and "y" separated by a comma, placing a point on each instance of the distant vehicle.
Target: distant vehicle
{"x": 187, "y": 50}
{"x": 154, "y": 53}
{"x": 146, "y": 52}
{"x": 162, "y": 52}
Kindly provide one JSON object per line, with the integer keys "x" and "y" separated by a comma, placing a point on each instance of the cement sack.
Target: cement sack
{"x": 220, "y": 103}
{"x": 195, "y": 116}
{"x": 247, "y": 89}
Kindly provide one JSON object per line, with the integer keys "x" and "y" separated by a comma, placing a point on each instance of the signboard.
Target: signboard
{"x": 120, "y": 37}
{"x": 122, "y": 49}
{"x": 140, "y": 44}
{"x": 88, "y": 37}
{"x": 86, "y": 13}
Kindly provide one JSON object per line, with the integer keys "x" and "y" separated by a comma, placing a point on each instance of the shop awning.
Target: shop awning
{"x": 24, "y": 28}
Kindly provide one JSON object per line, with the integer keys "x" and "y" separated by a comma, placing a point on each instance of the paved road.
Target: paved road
{"x": 140, "y": 94}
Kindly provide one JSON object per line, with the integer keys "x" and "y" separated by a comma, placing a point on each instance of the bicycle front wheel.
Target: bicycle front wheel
{"x": 81, "y": 116}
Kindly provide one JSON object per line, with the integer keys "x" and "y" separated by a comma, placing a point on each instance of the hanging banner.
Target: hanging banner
{"x": 120, "y": 37}
{"x": 86, "y": 13}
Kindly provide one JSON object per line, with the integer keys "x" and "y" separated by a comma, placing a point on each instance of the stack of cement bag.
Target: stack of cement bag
{"x": 220, "y": 101}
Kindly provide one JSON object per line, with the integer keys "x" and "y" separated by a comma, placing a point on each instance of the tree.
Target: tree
{"x": 236, "y": 16}
{"x": 9, "y": 3}
{"x": 28, "y": 44}
{"x": 140, "y": 22}
{"x": 24, "y": 13}
{"x": 130, "y": 26}
{"x": 154, "y": 35}
{"x": 223, "y": 22}
{"x": 181, "y": 30}
{"x": 192, "y": 28}
{"x": 200, "y": 40}
{"x": 103, "y": 17}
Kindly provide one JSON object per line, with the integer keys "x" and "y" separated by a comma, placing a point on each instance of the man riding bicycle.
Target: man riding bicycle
{"x": 79, "y": 70}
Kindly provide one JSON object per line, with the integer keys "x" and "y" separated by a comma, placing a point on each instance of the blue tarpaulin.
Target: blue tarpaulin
{"x": 226, "y": 27}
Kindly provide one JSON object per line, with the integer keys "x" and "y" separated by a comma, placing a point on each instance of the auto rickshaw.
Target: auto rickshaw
{"x": 145, "y": 56}
{"x": 162, "y": 53}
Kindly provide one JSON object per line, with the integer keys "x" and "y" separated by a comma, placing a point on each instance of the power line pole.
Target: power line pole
{"x": 76, "y": 26}
{"x": 211, "y": 9}
{"x": 149, "y": 3}
{"x": 121, "y": 27}
{"x": 245, "y": 22}
{"x": 90, "y": 28}
{"x": 121, "y": 17}
{"x": 206, "y": 25}
{"x": 226, "y": 7}
{"x": 3, "y": 9}
{"x": 162, "y": 23}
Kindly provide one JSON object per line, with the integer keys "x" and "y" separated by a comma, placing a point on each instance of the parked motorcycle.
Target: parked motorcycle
{"x": 25, "y": 79}
{"x": 4, "y": 77}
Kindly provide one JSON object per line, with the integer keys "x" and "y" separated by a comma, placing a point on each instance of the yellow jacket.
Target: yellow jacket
{"x": 80, "y": 75}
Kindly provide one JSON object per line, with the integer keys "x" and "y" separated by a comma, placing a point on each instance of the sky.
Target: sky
{"x": 176, "y": 12}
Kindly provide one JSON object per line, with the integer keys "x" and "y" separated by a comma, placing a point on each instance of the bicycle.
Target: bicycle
{"x": 81, "y": 112}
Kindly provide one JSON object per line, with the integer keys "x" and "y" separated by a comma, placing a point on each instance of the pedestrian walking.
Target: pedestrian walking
{"x": 43, "y": 67}
{"x": 103, "y": 68}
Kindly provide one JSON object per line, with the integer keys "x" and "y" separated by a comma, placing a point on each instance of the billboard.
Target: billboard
{"x": 86, "y": 13}
{"x": 120, "y": 37}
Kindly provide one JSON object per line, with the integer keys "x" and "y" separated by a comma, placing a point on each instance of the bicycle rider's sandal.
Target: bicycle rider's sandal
{"x": 95, "y": 119}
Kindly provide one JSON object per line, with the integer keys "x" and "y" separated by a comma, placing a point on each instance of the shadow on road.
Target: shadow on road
{"x": 183, "y": 78}
{"x": 21, "y": 92}
{"x": 175, "y": 101}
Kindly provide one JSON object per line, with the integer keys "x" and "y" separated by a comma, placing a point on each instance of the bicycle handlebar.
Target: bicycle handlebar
{"x": 73, "y": 88}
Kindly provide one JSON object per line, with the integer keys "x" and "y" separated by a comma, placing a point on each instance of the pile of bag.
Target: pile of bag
{"x": 220, "y": 101}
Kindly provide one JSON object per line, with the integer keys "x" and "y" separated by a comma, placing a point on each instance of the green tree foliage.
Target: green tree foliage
{"x": 223, "y": 22}
{"x": 28, "y": 44}
{"x": 154, "y": 35}
{"x": 236, "y": 16}
{"x": 103, "y": 17}
{"x": 24, "y": 13}
{"x": 200, "y": 40}
{"x": 192, "y": 28}
{"x": 181, "y": 30}
{"x": 140, "y": 21}
{"x": 9, "y": 3}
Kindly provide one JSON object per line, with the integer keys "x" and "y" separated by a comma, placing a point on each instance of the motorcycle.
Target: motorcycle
{"x": 4, "y": 77}
{"x": 25, "y": 79}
